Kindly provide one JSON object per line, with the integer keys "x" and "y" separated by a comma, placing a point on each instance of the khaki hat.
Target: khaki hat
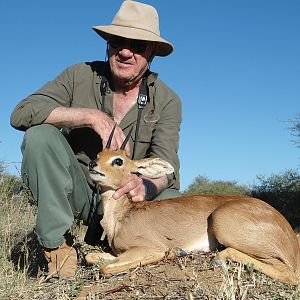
{"x": 139, "y": 21}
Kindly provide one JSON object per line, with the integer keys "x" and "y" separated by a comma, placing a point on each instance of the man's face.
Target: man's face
{"x": 128, "y": 59}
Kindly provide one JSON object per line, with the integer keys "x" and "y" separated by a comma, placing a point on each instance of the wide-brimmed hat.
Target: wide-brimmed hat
{"x": 139, "y": 21}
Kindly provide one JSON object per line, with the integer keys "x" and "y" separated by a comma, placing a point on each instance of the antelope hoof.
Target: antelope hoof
{"x": 105, "y": 273}
{"x": 178, "y": 252}
{"x": 99, "y": 258}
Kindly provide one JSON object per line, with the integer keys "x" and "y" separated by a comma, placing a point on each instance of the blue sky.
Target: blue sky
{"x": 236, "y": 67}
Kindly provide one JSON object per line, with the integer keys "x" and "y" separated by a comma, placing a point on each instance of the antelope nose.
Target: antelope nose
{"x": 92, "y": 164}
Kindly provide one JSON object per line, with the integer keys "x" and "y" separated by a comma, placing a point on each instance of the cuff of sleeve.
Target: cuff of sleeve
{"x": 43, "y": 114}
{"x": 148, "y": 194}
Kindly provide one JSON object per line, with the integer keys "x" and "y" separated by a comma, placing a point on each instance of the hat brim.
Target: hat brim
{"x": 164, "y": 48}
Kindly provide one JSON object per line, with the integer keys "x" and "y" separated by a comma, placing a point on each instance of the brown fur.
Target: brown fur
{"x": 140, "y": 233}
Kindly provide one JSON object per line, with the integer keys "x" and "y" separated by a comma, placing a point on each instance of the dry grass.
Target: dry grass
{"x": 190, "y": 277}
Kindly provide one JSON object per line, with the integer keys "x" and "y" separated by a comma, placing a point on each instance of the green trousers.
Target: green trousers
{"x": 58, "y": 185}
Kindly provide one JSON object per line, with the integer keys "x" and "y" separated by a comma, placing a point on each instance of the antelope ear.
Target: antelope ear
{"x": 153, "y": 167}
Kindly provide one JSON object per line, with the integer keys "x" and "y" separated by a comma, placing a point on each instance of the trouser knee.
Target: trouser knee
{"x": 57, "y": 182}
{"x": 37, "y": 138}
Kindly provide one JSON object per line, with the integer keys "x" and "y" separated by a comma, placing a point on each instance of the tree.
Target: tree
{"x": 10, "y": 185}
{"x": 2, "y": 168}
{"x": 295, "y": 129}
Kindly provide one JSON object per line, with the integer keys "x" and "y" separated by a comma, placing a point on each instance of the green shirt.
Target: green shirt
{"x": 79, "y": 86}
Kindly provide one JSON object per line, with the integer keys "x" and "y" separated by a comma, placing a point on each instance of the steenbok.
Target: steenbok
{"x": 242, "y": 228}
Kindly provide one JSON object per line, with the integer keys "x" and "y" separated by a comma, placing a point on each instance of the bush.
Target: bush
{"x": 17, "y": 219}
{"x": 10, "y": 186}
{"x": 282, "y": 191}
{"x": 202, "y": 185}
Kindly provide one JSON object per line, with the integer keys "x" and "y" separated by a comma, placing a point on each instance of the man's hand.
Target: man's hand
{"x": 99, "y": 121}
{"x": 134, "y": 188}
{"x": 103, "y": 125}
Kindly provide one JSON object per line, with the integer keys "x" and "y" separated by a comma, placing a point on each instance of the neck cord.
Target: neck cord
{"x": 142, "y": 101}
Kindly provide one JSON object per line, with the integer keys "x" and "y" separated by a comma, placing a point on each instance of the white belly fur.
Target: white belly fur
{"x": 200, "y": 245}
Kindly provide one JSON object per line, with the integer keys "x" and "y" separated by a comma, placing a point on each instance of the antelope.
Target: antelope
{"x": 243, "y": 229}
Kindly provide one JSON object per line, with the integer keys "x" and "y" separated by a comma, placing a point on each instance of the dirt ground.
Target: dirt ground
{"x": 189, "y": 277}
{"x": 180, "y": 278}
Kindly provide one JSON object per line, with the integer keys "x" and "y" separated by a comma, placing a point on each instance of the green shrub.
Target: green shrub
{"x": 203, "y": 185}
{"x": 282, "y": 191}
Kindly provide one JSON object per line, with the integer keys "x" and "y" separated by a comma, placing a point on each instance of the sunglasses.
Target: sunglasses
{"x": 136, "y": 46}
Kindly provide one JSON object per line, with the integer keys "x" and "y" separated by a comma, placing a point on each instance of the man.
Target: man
{"x": 68, "y": 121}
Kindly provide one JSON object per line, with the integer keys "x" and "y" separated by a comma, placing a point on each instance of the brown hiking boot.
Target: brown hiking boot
{"x": 62, "y": 261}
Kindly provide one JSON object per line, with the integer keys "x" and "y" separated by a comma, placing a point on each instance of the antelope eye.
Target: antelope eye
{"x": 117, "y": 161}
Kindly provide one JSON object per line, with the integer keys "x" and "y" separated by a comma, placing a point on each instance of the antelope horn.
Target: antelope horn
{"x": 126, "y": 139}
{"x": 110, "y": 137}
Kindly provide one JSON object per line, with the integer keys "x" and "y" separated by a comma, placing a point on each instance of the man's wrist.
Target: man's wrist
{"x": 149, "y": 195}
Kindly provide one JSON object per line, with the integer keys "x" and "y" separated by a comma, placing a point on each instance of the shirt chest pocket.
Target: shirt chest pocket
{"x": 145, "y": 133}
{"x": 143, "y": 141}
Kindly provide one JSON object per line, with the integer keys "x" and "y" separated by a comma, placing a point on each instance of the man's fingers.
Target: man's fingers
{"x": 133, "y": 187}
{"x": 128, "y": 150}
{"x": 117, "y": 140}
{"x": 120, "y": 139}
{"x": 105, "y": 127}
{"x": 120, "y": 192}
{"x": 137, "y": 198}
